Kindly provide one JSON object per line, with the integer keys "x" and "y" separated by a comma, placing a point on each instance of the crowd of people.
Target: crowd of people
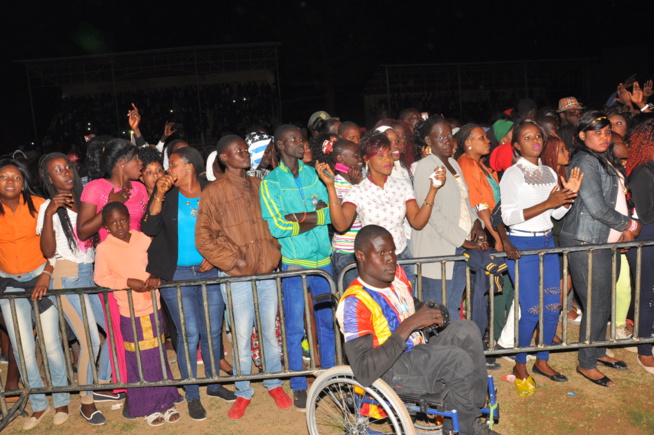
{"x": 136, "y": 217}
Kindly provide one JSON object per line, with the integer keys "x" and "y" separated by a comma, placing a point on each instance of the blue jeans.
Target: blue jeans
{"x": 294, "y": 320}
{"x": 196, "y": 330}
{"x": 339, "y": 261}
{"x": 72, "y": 308}
{"x": 409, "y": 269}
{"x": 432, "y": 288}
{"x": 242, "y": 323}
{"x": 529, "y": 297}
{"x": 51, "y": 341}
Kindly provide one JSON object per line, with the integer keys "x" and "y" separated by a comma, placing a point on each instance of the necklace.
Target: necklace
{"x": 194, "y": 211}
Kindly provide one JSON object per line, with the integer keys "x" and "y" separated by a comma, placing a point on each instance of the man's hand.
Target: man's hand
{"x": 153, "y": 282}
{"x": 137, "y": 285}
{"x": 134, "y": 119}
{"x": 422, "y": 318}
{"x": 168, "y": 130}
{"x": 204, "y": 266}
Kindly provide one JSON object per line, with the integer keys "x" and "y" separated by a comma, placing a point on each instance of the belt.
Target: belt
{"x": 521, "y": 233}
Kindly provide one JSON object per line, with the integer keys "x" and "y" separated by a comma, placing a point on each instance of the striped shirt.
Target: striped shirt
{"x": 344, "y": 243}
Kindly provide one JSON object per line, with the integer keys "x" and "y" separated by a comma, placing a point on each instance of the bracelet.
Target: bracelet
{"x": 304, "y": 216}
{"x": 48, "y": 273}
{"x": 157, "y": 198}
{"x": 633, "y": 226}
{"x": 428, "y": 204}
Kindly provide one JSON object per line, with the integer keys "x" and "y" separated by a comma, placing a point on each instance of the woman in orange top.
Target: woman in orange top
{"x": 482, "y": 181}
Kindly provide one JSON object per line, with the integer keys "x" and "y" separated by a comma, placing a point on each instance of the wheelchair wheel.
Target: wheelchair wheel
{"x": 338, "y": 404}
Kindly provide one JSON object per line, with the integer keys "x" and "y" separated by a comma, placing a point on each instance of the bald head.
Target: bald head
{"x": 368, "y": 233}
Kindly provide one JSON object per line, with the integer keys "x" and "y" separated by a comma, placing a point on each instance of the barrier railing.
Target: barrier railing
{"x": 9, "y": 414}
{"x": 564, "y": 252}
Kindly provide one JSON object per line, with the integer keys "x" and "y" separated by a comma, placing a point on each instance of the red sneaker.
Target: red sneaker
{"x": 281, "y": 398}
{"x": 238, "y": 409}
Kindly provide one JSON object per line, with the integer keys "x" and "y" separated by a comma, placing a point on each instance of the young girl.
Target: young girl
{"x": 73, "y": 268}
{"x": 120, "y": 263}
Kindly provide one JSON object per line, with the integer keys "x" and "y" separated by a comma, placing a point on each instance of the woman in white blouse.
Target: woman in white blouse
{"x": 530, "y": 197}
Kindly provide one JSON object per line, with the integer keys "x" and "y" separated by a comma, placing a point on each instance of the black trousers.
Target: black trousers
{"x": 453, "y": 360}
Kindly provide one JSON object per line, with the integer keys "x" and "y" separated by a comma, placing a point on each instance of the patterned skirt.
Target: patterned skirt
{"x": 144, "y": 401}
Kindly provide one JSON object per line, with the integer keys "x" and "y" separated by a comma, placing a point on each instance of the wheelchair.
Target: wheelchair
{"x": 338, "y": 404}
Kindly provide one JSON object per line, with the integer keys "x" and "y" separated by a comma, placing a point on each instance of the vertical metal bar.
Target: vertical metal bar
{"x": 110, "y": 335}
{"x": 468, "y": 294}
{"x": 87, "y": 332}
{"x": 157, "y": 327}
{"x": 182, "y": 323}
{"x": 565, "y": 298}
{"x": 639, "y": 270}
{"x": 307, "y": 315}
{"x": 491, "y": 302}
{"x": 541, "y": 297}
{"x": 236, "y": 363}
{"x": 614, "y": 277}
{"x": 339, "y": 351}
{"x": 137, "y": 346}
{"x": 444, "y": 281}
{"x": 282, "y": 321}
{"x": 62, "y": 328}
{"x": 516, "y": 304}
{"x": 19, "y": 343}
{"x": 419, "y": 280}
{"x": 589, "y": 296}
{"x": 257, "y": 321}
{"x": 207, "y": 323}
{"x": 44, "y": 352}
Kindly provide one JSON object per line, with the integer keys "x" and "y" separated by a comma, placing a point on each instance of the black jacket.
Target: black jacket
{"x": 640, "y": 183}
{"x": 162, "y": 254}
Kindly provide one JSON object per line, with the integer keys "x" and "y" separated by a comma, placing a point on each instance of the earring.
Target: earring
{"x": 469, "y": 148}
{"x": 427, "y": 151}
{"x": 188, "y": 170}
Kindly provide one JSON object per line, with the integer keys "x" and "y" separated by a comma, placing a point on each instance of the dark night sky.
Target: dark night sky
{"x": 347, "y": 38}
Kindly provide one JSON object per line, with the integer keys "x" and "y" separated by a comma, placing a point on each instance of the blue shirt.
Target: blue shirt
{"x": 187, "y": 216}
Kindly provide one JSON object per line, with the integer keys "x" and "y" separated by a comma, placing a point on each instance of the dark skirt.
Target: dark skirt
{"x": 144, "y": 401}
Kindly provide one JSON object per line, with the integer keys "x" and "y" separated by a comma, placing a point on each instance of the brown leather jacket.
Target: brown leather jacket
{"x": 230, "y": 226}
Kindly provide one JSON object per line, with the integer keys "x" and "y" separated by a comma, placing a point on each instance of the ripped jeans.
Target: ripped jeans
{"x": 529, "y": 295}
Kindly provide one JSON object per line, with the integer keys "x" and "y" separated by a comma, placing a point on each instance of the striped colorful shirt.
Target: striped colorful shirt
{"x": 344, "y": 243}
{"x": 364, "y": 310}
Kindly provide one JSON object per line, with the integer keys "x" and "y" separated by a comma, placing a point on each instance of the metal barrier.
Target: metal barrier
{"x": 564, "y": 252}
{"x": 336, "y": 291}
{"x": 9, "y": 414}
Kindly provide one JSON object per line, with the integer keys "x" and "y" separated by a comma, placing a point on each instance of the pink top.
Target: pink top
{"x": 97, "y": 192}
{"x": 621, "y": 207}
{"x": 116, "y": 261}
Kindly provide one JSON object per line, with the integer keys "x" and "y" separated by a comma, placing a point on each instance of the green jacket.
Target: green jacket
{"x": 280, "y": 196}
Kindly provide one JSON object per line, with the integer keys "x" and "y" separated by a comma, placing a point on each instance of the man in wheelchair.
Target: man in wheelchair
{"x": 382, "y": 324}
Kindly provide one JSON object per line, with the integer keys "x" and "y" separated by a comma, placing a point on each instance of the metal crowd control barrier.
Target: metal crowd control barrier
{"x": 9, "y": 414}
{"x": 564, "y": 253}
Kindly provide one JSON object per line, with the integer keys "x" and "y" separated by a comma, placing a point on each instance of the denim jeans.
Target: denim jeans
{"x": 294, "y": 321}
{"x": 529, "y": 292}
{"x": 242, "y": 323}
{"x": 196, "y": 330}
{"x": 339, "y": 261}
{"x": 432, "y": 288}
{"x": 51, "y": 341}
{"x": 72, "y": 309}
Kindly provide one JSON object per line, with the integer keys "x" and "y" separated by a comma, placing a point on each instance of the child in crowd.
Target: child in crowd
{"x": 120, "y": 263}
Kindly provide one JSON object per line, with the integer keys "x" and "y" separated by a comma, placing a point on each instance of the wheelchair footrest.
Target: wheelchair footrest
{"x": 425, "y": 401}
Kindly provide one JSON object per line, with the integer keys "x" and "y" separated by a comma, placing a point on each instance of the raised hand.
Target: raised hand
{"x": 134, "y": 118}
{"x": 438, "y": 175}
{"x": 574, "y": 180}
{"x": 168, "y": 130}
{"x": 637, "y": 96}
{"x": 64, "y": 200}
{"x": 648, "y": 88}
{"x": 325, "y": 173}
{"x": 165, "y": 183}
{"x": 623, "y": 95}
{"x": 559, "y": 197}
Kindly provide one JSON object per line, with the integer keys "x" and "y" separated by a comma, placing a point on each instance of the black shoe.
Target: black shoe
{"x": 556, "y": 378}
{"x": 492, "y": 364}
{"x": 196, "y": 410}
{"x": 481, "y": 428}
{"x": 300, "y": 400}
{"x": 223, "y": 393}
{"x": 107, "y": 396}
{"x": 620, "y": 365}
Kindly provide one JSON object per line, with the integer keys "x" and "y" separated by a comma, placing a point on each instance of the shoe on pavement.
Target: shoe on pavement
{"x": 300, "y": 400}
{"x": 223, "y": 393}
{"x": 196, "y": 411}
{"x": 281, "y": 398}
{"x": 238, "y": 408}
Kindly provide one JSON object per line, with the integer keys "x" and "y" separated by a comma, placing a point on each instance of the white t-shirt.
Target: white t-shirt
{"x": 85, "y": 252}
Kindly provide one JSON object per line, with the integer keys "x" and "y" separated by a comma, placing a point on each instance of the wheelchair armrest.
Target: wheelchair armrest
{"x": 425, "y": 401}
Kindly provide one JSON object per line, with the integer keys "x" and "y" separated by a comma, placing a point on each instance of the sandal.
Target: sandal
{"x": 170, "y": 414}
{"x": 525, "y": 387}
{"x": 155, "y": 419}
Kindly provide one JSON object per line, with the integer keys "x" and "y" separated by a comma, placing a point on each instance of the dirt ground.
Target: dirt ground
{"x": 626, "y": 409}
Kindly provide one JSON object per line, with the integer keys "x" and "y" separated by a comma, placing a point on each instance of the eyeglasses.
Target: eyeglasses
{"x": 573, "y": 112}
{"x": 444, "y": 138}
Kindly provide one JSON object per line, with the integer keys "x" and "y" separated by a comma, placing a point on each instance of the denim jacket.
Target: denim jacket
{"x": 593, "y": 213}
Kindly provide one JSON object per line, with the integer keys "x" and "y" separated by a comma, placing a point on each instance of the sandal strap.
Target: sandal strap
{"x": 169, "y": 413}
{"x": 154, "y": 416}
